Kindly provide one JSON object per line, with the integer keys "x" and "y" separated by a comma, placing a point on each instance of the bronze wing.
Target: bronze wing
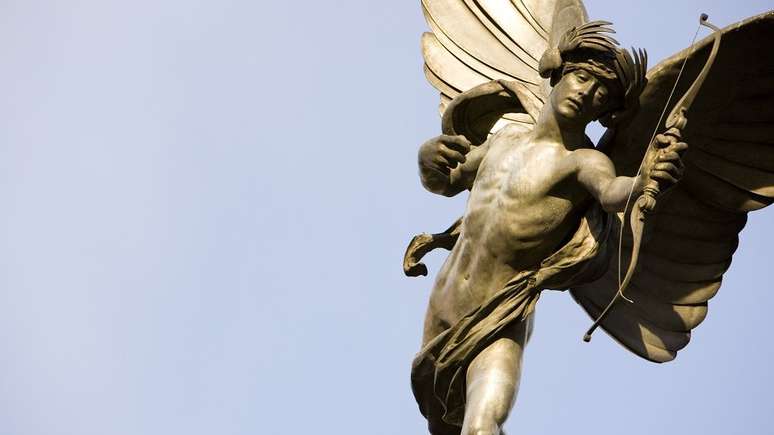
{"x": 691, "y": 236}
{"x": 472, "y": 43}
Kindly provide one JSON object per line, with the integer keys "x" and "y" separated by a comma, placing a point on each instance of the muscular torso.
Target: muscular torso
{"x": 523, "y": 205}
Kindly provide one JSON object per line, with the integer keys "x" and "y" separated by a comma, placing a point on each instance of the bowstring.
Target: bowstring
{"x": 642, "y": 162}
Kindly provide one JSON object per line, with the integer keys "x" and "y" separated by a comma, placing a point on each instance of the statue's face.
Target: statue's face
{"x": 580, "y": 97}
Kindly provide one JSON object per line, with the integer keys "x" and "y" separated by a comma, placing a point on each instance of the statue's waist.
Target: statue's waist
{"x": 515, "y": 243}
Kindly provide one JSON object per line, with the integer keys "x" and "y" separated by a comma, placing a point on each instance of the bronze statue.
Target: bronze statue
{"x": 519, "y": 83}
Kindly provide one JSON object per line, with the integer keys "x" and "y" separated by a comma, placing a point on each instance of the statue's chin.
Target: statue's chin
{"x": 568, "y": 113}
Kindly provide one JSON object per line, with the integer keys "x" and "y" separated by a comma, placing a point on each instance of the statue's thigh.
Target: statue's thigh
{"x": 493, "y": 376}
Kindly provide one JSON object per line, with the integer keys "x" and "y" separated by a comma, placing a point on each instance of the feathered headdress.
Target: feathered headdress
{"x": 589, "y": 47}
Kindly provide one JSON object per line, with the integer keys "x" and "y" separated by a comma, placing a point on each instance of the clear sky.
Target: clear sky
{"x": 205, "y": 206}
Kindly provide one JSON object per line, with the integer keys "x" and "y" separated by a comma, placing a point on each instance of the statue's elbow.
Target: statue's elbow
{"x": 612, "y": 206}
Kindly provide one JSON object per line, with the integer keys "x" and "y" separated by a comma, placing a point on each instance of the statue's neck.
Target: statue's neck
{"x": 551, "y": 127}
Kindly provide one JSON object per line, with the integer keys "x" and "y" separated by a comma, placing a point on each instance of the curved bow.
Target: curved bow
{"x": 646, "y": 203}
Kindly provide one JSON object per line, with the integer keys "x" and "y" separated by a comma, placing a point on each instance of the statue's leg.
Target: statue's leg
{"x": 493, "y": 380}
{"x": 435, "y": 325}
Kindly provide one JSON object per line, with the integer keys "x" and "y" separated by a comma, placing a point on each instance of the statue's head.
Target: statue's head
{"x": 592, "y": 78}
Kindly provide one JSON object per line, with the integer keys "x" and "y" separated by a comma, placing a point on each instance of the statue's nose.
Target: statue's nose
{"x": 586, "y": 89}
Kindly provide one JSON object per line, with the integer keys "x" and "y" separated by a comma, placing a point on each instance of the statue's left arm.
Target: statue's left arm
{"x": 596, "y": 172}
{"x": 691, "y": 234}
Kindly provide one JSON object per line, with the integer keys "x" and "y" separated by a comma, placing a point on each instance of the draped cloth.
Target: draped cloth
{"x": 439, "y": 369}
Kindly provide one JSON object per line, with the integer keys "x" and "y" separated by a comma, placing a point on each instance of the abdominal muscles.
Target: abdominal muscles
{"x": 514, "y": 220}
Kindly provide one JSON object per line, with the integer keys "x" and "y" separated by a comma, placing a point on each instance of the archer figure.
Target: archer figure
{"x": 545, "y": 207}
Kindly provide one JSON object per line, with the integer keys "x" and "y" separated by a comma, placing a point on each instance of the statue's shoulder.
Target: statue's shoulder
{"x": 590, "y": 157}
{"x": 511, "y": 133}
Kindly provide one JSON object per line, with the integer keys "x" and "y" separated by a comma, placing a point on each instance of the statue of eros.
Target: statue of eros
{"x": 520, "y": 80}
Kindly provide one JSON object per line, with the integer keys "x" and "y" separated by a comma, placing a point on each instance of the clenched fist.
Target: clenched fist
{"x": 442, "y": 154}
{"x": 665, "y": 164}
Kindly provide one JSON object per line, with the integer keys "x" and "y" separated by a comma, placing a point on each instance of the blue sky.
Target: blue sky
{"x": 206, "y": 206}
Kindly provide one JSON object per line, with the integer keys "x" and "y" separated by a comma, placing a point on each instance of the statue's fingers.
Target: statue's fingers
{"x": 663, "y": 176}
{"x": 669, "y": 155}
{"x": 458, "y": 147}
{"x": 679, "y": 147}
{"x": 672, "y": 168}
{"x": 663, "y": 140}
{"x": 442, "y": 165}
{"x": 451, "y": 155}
{"x": 450, "y": 138}
{"x": 462, "y": 139}
{"x": 665, "y": 166}
{"x": 457, "y": 143}
{"x": 674, "y": 132}
{"x": 450, "y": 163}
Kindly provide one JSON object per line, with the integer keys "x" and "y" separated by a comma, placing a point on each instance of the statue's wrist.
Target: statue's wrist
{"x": 640, "y": 182}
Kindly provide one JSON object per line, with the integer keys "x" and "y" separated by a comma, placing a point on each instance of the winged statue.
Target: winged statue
{"x": 640, "y": 227}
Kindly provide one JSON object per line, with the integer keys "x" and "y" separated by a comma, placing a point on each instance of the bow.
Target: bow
{"x": 646, "y": 203}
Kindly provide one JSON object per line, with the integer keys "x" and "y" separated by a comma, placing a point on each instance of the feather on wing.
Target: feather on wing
{"x": 474, "y": 42}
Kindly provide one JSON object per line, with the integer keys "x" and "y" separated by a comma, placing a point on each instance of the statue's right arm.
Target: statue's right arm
{"x": 448, "y": 164}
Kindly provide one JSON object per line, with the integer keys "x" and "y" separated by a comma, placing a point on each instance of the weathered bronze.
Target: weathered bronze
{"x": 519, "y": 83}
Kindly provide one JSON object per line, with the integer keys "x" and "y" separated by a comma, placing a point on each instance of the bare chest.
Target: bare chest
{"x": 522, "y": 198}
{"x": 524, "y": 172}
